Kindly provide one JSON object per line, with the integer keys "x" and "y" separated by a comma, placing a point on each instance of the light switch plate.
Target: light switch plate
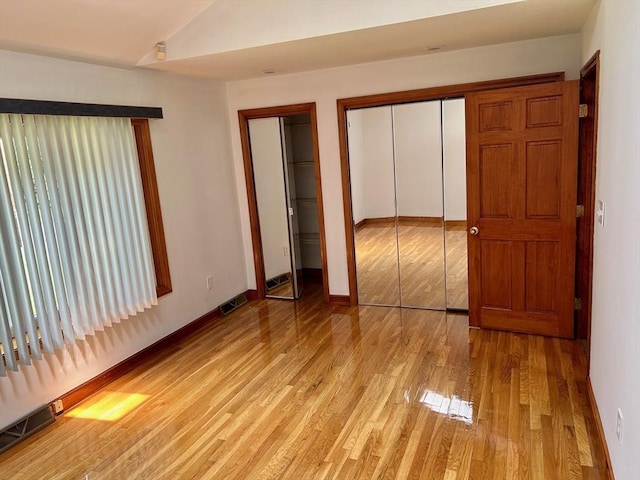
{"x": 600, "y": 212}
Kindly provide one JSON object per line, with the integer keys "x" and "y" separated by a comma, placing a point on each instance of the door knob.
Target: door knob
{"x": 474, "y": 230}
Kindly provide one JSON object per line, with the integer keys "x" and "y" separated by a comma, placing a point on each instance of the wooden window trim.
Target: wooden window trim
{"x": 152, "y": 205}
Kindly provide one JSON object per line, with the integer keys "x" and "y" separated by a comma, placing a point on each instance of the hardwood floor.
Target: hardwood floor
{"x": 377, "y": 264}
{"x": 299, "y": 390}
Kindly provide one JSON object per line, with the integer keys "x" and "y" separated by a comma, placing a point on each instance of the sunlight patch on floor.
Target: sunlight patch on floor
{"x": 108, "y": 406}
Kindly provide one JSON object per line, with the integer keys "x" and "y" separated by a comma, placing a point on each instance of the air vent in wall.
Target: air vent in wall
{"x": 233, "y": 304}
{"x": 25, "y": 427}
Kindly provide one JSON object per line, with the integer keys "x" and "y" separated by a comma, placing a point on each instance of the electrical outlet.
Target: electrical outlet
{"x": 58, "y": 407}
{"x": 210, "y": 282}
{"x": 285, "y": 251}
{"x": 619, "y": 426}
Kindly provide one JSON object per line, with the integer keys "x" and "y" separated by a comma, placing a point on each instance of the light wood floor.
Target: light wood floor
{"x": 297, "y": 390}
{"x": 419, "y": 279}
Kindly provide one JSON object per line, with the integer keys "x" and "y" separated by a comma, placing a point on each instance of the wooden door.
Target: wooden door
{"x": 521, "y": 183}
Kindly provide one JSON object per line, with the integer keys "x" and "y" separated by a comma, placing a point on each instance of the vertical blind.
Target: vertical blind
{"x": 75, "y": 253}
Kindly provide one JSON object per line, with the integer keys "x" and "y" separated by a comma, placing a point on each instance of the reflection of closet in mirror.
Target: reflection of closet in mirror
{"x": 283, "y": 171}
{"x": 401, "y": 204}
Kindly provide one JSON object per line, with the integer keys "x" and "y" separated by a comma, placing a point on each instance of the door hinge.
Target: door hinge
{"x": 579, "y": 211}
{"x": 577, "y": 303}
{"x": 583, "y": 110}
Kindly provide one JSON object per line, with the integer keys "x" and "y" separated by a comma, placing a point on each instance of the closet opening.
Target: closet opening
{"x": 408, "y": 198}
{"x": 282, "y": 174}
{"x": 406, "y": 240}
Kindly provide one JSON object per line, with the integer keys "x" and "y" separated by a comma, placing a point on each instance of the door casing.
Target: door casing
{"x": 279, "y": 111}
{"x": 587, "y": 148}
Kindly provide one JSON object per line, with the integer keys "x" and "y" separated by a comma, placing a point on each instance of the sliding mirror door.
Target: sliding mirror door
{"x": 418, "y": 171}
{"x": 455, "y": 203}
{"x": 407, "y": 172}
{"x": 274, "y": 209}
{"x": 374, "y": 205}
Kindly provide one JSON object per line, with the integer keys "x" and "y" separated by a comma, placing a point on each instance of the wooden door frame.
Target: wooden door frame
{"x": 279, "y": 111}
{"x": 397, "y": 98}
{"x": 588, "y": 136}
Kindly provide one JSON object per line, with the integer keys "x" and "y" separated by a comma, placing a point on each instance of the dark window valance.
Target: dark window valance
{"x": 44, "y": 107}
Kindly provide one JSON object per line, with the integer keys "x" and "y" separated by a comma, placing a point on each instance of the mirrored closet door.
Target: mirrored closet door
{"x": 408, "y": 222}
{"x": 286, "y": 202}
{"x": 275, "y": 211}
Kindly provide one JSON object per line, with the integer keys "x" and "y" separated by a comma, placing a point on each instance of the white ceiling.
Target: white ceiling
{"x": 110, "y": 32}
{"x": 124, "y": 32}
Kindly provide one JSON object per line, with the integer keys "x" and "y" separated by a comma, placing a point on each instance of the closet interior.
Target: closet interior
{"x": 407, "y": 172}
{"x": 285, "y": 187}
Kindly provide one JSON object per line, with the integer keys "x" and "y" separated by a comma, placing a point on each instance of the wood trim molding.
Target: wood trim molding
{"x": 164, "y": 346}
{"x": 256, "y": 239}
{"x": 152, "y": 205}
{"x": 424, "y": 221}
{"x": 600, "y": 429}
{"x": 319, "y": 202}
{"x": 340, "y": 300}
{"x": 594, "y": 61}
{"x": 455, "y": 225}
{"x": 419, "y": 95}
{"x": 284, "y": 110}
{"x": 588, "y": 138}
{"x": 447, "y": 91}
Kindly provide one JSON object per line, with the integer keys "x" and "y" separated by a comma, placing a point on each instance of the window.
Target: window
{"x": 81, "y": 237}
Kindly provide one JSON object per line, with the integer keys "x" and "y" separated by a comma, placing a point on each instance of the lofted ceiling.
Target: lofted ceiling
{"x": 237, "y": 39}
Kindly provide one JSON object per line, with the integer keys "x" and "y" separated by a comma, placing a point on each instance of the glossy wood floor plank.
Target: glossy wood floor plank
{"x": 298, "y": 390}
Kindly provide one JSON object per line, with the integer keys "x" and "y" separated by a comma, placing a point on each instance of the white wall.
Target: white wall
{"x": 614, "y": 28}
{"x": 199, "y": 207}
{"x": 325, "y": 86}
{"x": 455, "y": 159}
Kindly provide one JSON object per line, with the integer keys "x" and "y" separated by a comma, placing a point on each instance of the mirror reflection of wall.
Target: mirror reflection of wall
{"x": 403, "y": 194}
{"x": 284, "y": 179}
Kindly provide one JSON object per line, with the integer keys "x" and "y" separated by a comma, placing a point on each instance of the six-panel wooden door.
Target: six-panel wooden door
{"x": 521, "y": 185}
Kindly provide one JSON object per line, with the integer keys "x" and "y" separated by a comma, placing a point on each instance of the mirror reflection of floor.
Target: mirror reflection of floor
{"x": 457, "y": 277}
{"x": 421, "y": 265}
{"x": 421, "y": 253}
{"x": 377, "y": 264}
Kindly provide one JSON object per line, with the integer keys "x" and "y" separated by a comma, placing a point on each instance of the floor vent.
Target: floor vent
{"x": 25, "y": 427}
{"x": 233, "y": 304}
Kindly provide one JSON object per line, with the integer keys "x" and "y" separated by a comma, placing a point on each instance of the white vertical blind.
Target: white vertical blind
{"x": 75, "y": 253}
